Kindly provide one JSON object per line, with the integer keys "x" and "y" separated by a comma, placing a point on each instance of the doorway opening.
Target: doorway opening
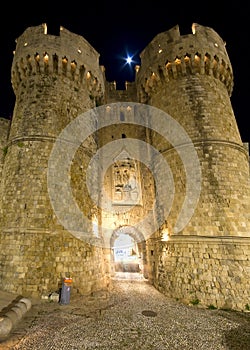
{"x": 128, "y": 253}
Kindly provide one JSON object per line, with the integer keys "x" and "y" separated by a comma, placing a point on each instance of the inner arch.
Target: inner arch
{"x": 128, "y": 253}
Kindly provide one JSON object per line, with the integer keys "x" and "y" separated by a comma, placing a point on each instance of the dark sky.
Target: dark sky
{"x": 121, "y": 27}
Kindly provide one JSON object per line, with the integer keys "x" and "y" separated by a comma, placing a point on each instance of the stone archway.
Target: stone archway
{"x": 128, "y": 250}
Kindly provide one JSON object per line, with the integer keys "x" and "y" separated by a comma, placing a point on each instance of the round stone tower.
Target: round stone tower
{"x": 190, "y": 78}
{"x": 55, "y": 78}
{"x": 200, "y": 252}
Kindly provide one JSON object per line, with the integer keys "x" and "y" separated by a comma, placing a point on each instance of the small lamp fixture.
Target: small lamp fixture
{"x": 165, "y": 235}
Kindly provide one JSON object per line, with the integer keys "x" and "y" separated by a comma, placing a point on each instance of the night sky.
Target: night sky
{"x": 127, "y": 28}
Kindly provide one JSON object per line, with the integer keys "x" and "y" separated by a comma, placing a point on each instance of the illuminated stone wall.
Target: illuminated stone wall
{"x": 189, "y": 77}
{"x": 55, "y": 78}
{"x": 4, "y": 129}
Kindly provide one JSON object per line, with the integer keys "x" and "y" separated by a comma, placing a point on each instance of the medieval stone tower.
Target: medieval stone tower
{"x": 161, "y": 162}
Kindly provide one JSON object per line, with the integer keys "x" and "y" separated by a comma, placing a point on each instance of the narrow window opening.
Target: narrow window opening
{"x": 122, "y": 117}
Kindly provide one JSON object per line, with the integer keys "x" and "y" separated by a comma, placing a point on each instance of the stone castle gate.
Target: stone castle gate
{"x": 162, "y": 161}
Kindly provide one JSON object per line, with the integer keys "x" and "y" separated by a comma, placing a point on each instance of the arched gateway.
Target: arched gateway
{"x": 201, "y": 249}
{"x": 128, "y": 250}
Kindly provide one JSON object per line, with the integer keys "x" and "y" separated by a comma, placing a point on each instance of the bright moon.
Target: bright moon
{"x": 128, "y": 59}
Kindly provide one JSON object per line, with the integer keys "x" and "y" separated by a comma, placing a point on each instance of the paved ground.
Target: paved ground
{"x": 133, "y": 315}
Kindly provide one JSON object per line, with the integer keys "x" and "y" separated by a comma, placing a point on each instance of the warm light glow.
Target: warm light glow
{"x": 193, "y": 28}
{"x": 165, "y": 235}
{"x": 25, "y": 44}
{"x": 79, "y": 51}
{"x": 73, "y": 64}
{"x": 65, "y": 60}
{"x": 88, "y": 75}
{"x": 177, "y": 60}
{"x": 137, "y": 67}
{"x": 37, "y": 57}
{"x": 46, "y": 57}
{"x": 45, "y": 29}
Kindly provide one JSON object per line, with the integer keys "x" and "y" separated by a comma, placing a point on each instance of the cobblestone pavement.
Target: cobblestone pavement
{"x": 133, "y": 315}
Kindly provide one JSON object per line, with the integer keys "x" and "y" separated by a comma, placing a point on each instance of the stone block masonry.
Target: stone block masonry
{"x": 189, "y": 78}
{"x": 209, "y": 271}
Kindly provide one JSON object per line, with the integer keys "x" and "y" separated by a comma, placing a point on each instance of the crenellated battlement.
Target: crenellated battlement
{"x": 68, "y": 55}
{"x": 186, "y": 179}
{"x": 127, "y": 94}
{"x": 172, "y": 56}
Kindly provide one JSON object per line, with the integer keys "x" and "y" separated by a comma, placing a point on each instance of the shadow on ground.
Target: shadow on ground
{"x": 238, "y": 338}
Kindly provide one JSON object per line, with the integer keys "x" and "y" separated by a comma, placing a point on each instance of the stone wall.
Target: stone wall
{"x": 194, "y": 89}
{"x": 55, "y": 79}
{"x": 4, "y": 130}
{"x": 207, "y": 271}
{"x": 190, "y": 78}
{"x": 34, "y": 263}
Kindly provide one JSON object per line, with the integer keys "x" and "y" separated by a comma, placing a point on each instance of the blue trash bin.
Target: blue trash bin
{"x": 65, "y": 292}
